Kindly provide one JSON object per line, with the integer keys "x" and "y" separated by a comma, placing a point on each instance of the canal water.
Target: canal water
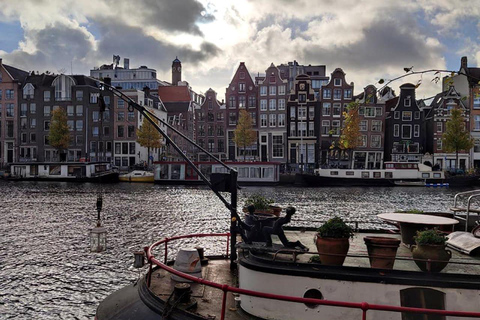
{"x": 47, "y": 271}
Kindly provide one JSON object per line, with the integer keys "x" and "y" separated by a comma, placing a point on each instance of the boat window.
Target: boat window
{"x": 377, "y": 174}
{"x": 243, "y": 172}
{"x": 425, "y": 175}
{"x": 388, "y": 175}
{"x": 365, "y": 174}
{"x": 422, "y": 298}
{"x": 164, "y": 171}
{"x": 268, "y": 173}
{"x": 334, "y": 173}
{"x": 254, "y": 172}
{"x": 313, "y": 294}
{"x": 350, "y": 173}
{"x": 437, "y": 175}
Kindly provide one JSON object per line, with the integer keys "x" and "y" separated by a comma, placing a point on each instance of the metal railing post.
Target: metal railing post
{"x": 224, "y": 301}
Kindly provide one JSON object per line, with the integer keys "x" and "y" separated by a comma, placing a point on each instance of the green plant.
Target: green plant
{"x": 430, "y": 236}
{"x": 410, "y": 211}
{"x": 260, "y": 202}
{"x": 314, "y": 259}
{"x": 335, "y": 228}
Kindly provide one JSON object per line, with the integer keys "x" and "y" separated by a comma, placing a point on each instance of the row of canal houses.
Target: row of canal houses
{"x": 297, "y": 112}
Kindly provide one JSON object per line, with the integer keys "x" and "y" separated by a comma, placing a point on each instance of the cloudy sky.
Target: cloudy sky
{"x": 368, "y": 39}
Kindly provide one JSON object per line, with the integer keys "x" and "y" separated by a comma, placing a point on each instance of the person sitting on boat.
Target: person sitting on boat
{"x": 277, "y": 229}
{"x": 242, "y": 227}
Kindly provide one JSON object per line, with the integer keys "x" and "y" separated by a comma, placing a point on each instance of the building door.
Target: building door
{"x": 9, "y": 152}
{"x": 264, "y": 152}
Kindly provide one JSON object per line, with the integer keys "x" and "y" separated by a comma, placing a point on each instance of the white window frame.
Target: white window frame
{"x": 410, "y": 129}
{"x": 396, "y": 130}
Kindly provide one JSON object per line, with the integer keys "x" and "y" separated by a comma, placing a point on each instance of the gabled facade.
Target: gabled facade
{"x": 291, "y": 70}
{"x": 302, "y": 119}
{"x": 369, "y": 154}
{"x": 272, "y": 98}
{"x": 406, "y": 128}
{"x": 439, "y": 115}
{"x": 335, "y": 97}
{"x": 241, "y": 93}
{"x": 11, "y": 81}
{"x": 210, "y": 127}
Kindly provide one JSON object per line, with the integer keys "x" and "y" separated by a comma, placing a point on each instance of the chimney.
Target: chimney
{"x": 463, "y": 63}
{"x": 126, "y": 63}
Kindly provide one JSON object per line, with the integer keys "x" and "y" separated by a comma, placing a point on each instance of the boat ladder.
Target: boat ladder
{"x": 458, "y": 208}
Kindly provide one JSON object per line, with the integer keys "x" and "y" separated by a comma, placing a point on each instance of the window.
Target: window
{"x": 121, "y": 104}
{"x": 363, "y": 125}
{"x": 476, "y": 122}
{"x": 232, "y": 102}
{"x": 46, "y": 96}
{"x": 263, "y": 105}
{"x": 251, "y": 102}
{"x": 337, "y": 82}
{"x": 439, "y": 144}
{"x": 0, "y": 89}
{"x": 281, "y": 120}
{"x": 337, "y": 94}
{"x": 311, "y": 129}
{"x": 106, "y": 131}
{"x": 63, "y": 87}
{"x": 422, "y": 298}
{"x": 337, "y": 109}
{"x": 201, "y": 130}
{"x": 302, "y": 129}
{"x": 416, "y": 130}
{"x": 281, "y": 90}
{"x": 281, "y": 104}
{"x": 23, "y": 110}
{"x": 277, "y": 146}
{"x": 221, "y": 146}
{"x": 302, "y": 112}
{"x": 378, "y": 111}
{"x": 94, "y": 97}
{"x": 406, "y": 131}
{"x": 46, "y": 125}
{"x": 70, "y": 124}
{"x": 407, "y": 102}
{"x": 440, "y": 126}
{"x": 79, "y": 95}
{"x": 70, "y": 111}
{"x": 263, "y": 90}
{"x": 336, "y": 127}
{"x": 376, "y": 141}
{"x": 273, "y": 90}
{"x": 396, "y": 130}
{"x": 253, "y": 115}
{"x": 242, "y": 101}
{"x": 376, "y": 125}
{"x": 273, "y": 120}
{"x": 79, "y": 110}
{"x": 363, "y": 141}
{"x": 120, "y": 131}
{"x": 210, "y": 130}
{"x": 347, "y": 94}
{"x": 79, "y": 125}
{"x": 219, "y": 116}
{"x": 23, "y": 123}
{"x": 407, "y": 116}
{"x": 476, "y": 99}
{"x": 241, "y": 87}
{"x": 396, "y": 115}
{"x": 272, "y": 104}
{"x": 9, "y": 94}
{"x": 325, "y": 127}
{"x": 293, "y": 113}
{"x": 370, "y": 112}
{"x": 33, "y": 123}
{"x": 28, "y": 91}
{"x": 120, "y": 116}
{"x": 10, "y": 110}
{"x": 326, "y": 109}
{"x": 311, "y": 113}
{"x": 232, "y": 119}
{"x": 302, "y": 97}
{"x": 263, "y": 120}
{"x": 33, "y": 137}
{"x": 220, "y": 131}
{"x": 417, "y": 114}
{"x": 131, "y": 131}
{"x": 293, "y": 131}
{"x": 327, "y": 93}
{"x": 95, "y": 131}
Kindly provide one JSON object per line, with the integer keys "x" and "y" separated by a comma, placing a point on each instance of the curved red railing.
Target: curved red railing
{"x": 364, "y": 306}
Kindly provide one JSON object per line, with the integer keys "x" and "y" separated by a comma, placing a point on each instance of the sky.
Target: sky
{"x": 368, "y": 39}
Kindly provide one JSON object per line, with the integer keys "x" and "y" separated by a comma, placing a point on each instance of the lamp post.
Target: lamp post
{"x": 98, "y": 235}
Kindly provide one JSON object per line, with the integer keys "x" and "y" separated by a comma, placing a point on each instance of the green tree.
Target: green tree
{"x": 456, "y": 136}
{"x": 149, "y": 137}
{"x": 244, "y": 135}
{"x": 350, "y": 134}
{"x": 59, "y": 133}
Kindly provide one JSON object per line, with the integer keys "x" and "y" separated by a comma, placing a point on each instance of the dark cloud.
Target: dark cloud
{"x": 177, "y": 15}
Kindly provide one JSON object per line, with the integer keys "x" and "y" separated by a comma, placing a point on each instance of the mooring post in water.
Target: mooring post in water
{"x": 233, "y": 218}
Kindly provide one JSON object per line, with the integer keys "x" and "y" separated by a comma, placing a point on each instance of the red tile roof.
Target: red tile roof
{"x": 174, "y": 93}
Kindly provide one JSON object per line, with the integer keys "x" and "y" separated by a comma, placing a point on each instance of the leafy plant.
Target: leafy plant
{"x": 431, "y": 236}
{"x": 410, "y": 211}
{"x": 314, "y": 259}
{"x": 260, "y": 202}
{"x": 335, "y": 228}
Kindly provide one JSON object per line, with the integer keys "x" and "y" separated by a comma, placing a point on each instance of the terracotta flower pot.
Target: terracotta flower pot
{"x": 332, "y": 251}
{"x": 382, "y": 251}
{"x": 437, "y": 253}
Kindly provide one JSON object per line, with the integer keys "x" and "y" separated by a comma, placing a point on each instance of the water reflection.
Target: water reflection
{"x": 47, "y": 271}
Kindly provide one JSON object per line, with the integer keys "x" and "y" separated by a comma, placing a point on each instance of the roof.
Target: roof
{"x": 474, "y": 76}
{"x": 16, "y": 74}
{"x": 174, "y": 94}
{"x": 176, "y": 107}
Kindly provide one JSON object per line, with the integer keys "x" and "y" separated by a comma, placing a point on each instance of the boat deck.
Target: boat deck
{"x": 209, "y": 299}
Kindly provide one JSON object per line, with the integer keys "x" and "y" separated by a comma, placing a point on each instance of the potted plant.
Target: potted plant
{"x": 429, "y": 253}
{"x": 262, "y": 205}
{"x": 332, "y": 241}
{"x": 382, "y": 251}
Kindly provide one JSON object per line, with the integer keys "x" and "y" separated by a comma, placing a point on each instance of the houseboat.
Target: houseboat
{"x": 249, "y": 173}
{"x": 64, "y": 171}
{"x": 394, "y": 173}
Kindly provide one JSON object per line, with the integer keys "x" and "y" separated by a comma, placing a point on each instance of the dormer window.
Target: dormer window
{"x": 407, "y": 102}
{"x": 28, "y": 91}
{"x": 337, "y": 82}
{"x": 63, "y": 87}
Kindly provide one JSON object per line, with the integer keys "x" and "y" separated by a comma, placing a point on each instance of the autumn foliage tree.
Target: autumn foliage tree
{"x": 244, "y": 135}
{"x": 350, "y": 134}
{"x": 59, "y": 133}
{"x": 456, "y": 136}
{"x": 149, "y": 137}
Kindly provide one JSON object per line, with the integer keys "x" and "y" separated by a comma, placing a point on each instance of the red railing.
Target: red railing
{"x": 364, "y": 306}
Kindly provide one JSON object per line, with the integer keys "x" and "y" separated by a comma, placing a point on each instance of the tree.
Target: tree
{"x": 149, "y": 137}
{"x": 59, "y": 133}
{"x": 456, "y": 137}
{"x": 350, "y": 135}
{"x": 244, "y": 135}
